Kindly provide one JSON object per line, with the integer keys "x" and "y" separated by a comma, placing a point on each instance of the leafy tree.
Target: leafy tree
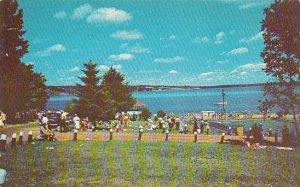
{"x": 88, "y": 103}
{"x": 145, "y": 113}
{"x": 161, "y": 114}
{"x": 282, "y": 56}
{"x": 116, "y": 95}
{"x": 16, "y": 78}
{"x": 37, "y": 94}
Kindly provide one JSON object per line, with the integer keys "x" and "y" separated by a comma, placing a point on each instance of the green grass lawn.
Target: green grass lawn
{"x": 134, "y": 163}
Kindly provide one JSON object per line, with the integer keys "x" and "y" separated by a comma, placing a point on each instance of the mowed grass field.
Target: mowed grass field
{"x": 139, "y": 163}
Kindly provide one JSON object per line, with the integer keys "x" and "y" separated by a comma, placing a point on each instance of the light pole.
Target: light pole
{"x": 223, "y": 103}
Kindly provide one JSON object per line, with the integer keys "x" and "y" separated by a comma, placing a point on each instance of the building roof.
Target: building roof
{"x": 138, "y": 104}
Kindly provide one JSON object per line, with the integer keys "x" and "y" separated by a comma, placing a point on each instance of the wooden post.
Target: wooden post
{"x": 195, "y": 138}
{"x": 110, "y": 134}
{"x": 21, "y": 138}
{"x": 3, "y": 142}
{"x": 140, "y": 134}
{"x": 13, "y": 140}
{"x": 30, "y": 139}
{"x": 229, "y": 131}
{"x": 222, "y": 138}
{"x": 167, "y": 135}
{"x": 75, "y": 135}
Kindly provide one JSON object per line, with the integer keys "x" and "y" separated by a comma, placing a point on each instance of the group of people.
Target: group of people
{"x": 258, "y": 136}
{"x": 47, "y": 129}
{"x": 183, "y": 124}
{"x": 257, "y": 133}
{"x": 82, "y": 125}
{"x": 45, "y": 132}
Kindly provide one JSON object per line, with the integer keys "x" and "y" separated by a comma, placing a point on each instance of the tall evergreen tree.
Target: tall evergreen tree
{"x": 116, "y": 95}
{"x": 281, "y": 55}
{"x": 88, "y": 105}
{"x": 15, "y": 77}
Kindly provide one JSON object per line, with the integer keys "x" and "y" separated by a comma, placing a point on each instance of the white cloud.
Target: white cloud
{"x": 117, "y": 67}
{"x": 57, "y": 47}
{"x": 127, "y": 35}
{"x": 139, "y": 49}
{"x": 248, "y": 5}
{"x": 173, "y": 72}
{"x": 172, "y": 37}
{"x": 201, "y": 39}
{"x": 49, "y": 50}
{"x": 221, "y": 62}
{"x": 121, "y": 57}
{"x": 108, "y": 15}
{"x": 243, "y": 73}
{"x": 60, "y": 15}
{"x": 75, "y": 69}
{"x": 219, "y": 37}
{"x": 103, "y": 68}
{"x": 82, "y": 11}
{"x": 250, "y": 67}
{"x": 237, "y": 51}
{"x": 206, "y": 75}
{"x": 148, "y": 71}
{"x": 169, "y": 60}
{"x": 67, "y": 80}
{"x": 134, "y": 49}
{"x": 252, "y": 4}
{"x": 253, "y": 38}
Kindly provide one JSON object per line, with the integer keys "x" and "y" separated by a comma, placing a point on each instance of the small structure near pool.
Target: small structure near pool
{"x": 136, "y": 109}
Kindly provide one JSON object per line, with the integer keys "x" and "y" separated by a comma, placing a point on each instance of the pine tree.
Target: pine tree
{"x": 281, "y": 55}
{"x": 116, "y": 94}
{"x": 88, "y": 103}
{"x": 16, "y": 78}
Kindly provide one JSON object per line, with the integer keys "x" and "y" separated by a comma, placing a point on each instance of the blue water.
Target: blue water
{"x": 58, "y": 102}
{"x": 186, "y": 101}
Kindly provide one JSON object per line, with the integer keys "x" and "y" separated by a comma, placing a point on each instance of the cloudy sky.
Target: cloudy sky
{"x": 184, "y": 42}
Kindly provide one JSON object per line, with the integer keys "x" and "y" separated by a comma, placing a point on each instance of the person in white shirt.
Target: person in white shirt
{"x": 76, "y": 120}
{"x": 45, "y": 119}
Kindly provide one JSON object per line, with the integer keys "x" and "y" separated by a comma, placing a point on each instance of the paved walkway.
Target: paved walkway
{"x": 124, "y": 136}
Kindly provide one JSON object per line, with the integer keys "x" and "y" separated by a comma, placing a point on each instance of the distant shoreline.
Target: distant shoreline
{"x": 72, "y": 90}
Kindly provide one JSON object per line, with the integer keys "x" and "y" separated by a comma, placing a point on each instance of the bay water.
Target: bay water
{"x": 239, "y": 99}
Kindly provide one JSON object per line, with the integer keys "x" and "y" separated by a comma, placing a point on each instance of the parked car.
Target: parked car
{"x": 54, "y": 120}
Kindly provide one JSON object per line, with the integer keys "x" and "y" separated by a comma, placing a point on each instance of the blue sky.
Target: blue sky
{"x": 195, "y": 42}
